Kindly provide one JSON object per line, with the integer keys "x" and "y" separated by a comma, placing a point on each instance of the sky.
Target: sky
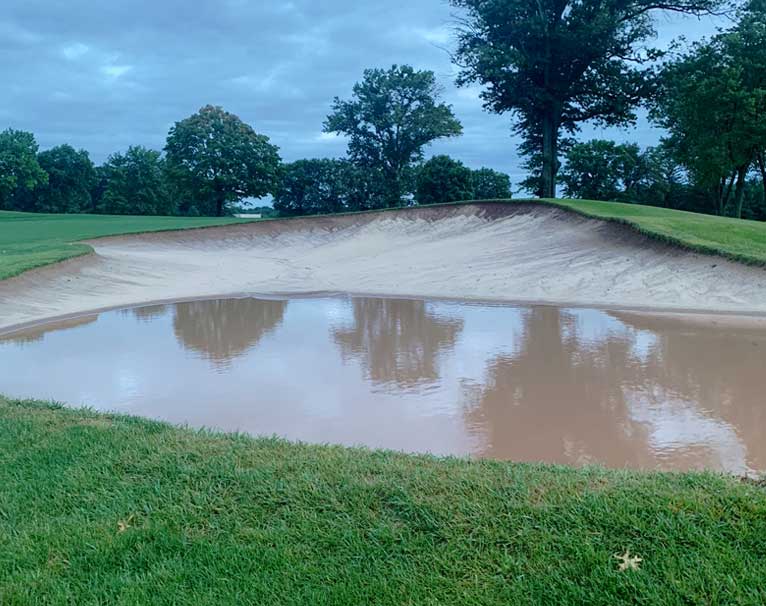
{"x": 105, "y": 75}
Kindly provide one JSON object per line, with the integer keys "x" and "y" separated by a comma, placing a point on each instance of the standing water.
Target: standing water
{"x": 527, "y": 383}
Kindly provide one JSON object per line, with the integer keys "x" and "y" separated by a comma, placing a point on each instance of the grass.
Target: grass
{"x": 735, "y": 239}
{"x": 104, "y": 509}
{"x": 30, "y": 240}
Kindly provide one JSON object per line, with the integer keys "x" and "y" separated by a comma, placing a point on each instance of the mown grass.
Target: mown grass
{"x": 30, "y": 240}
{"x": 735, "y": 239}
{"x": 102, "y": 509}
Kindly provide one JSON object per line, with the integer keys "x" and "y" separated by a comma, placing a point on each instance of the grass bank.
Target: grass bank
{"x": 735, "y": 239}
{"x": 30, "y": 240}
{"x": 101, "y": 509}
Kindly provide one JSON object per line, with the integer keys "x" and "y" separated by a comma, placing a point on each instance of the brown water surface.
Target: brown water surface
{"x": 527, "y": 383}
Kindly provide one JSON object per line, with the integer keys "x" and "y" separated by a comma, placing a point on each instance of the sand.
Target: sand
{"x": 483, "y": 251}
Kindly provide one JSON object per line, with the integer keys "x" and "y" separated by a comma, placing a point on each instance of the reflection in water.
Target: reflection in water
{"x": 523, "y": 383}
{"x": 147, "y": 313}
{"x": 225, "y": 329}
{"x": 397, "y": 340}
{"x": 37, "y": 333}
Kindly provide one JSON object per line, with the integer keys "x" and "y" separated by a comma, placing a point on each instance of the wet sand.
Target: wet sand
{"x": 529, "y": 383}
{"x": 483, "y": 252}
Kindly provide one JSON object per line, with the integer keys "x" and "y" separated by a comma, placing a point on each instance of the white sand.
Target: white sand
{"x": 495, "y": 252}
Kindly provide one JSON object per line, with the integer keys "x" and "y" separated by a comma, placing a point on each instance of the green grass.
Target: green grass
{"x": 735, "y": 239}
{"x": 225, "y": 519}
{"x": 30, "y": 240}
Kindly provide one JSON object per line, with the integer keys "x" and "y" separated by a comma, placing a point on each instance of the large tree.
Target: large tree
{"x": 71, "y": 176}
{"x": 218, "y": 159}
{"x": 557, "y": 63}
{"x": 713, "y": 102}
{"x": 135, "y": 184}
{"x": 443, "y": 179}
{"x": 603, "y": 170}
{"x": 20, "y": 170}
{"x": 392, "y": 116}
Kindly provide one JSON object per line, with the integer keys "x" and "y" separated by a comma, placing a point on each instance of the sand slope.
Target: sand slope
{"x": 483, "y": 251}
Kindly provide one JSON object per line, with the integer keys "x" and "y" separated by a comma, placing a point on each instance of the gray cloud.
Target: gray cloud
{"x": 105, "y": 75}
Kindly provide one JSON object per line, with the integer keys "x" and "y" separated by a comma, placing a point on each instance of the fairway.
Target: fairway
{"x": 30, "y": 240}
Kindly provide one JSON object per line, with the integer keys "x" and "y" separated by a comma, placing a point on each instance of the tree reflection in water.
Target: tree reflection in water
{"x": 634, "y": 396}
{"x": 222, "y": 330}
{"x": 398, "y": 341}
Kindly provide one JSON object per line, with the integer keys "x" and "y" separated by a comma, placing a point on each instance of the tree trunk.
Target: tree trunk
{"x": 739, "y": 192}
{"x": 550, "y": 155}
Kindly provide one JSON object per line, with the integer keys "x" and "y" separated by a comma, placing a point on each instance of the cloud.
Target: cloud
{"x": 103, "y": 76}
{"x": 74, "y": 51}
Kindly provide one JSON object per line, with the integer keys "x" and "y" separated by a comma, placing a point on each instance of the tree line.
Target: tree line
{"x": 552, "y": 65}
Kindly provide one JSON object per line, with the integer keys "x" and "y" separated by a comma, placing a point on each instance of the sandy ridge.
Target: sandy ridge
{"x": 520, "y": 253}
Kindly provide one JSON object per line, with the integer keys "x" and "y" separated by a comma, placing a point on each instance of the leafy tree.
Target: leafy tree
{"x": 490, "y": 184}
{"x": 603, "y": 170}
{"x": 393, "y": 115}
{"x": 135, "y": 184}
{"x": 557, "y": 63}
{"x": 443, "y": 179}
{"x": 71, "y": 177}
{"x": 713, "y": 102}
{"x": 309, "y": 187}
{"x": 220, "y": 159}
{"x": 20, "y": 170}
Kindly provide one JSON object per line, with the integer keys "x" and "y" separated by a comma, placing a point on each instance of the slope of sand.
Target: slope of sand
{"x": 483, "y": 251}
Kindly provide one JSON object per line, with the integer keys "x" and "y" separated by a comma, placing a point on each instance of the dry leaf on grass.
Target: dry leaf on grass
{"x": 123, "y": 525}
{"x": 628, "y": 562}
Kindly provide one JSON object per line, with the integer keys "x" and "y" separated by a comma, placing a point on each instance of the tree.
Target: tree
{"x": 71, "y": 176}
{"x": 135, "y": 184}
{"x": 220, "y": 159}
{"x": 490, "y": 184}
{"x": 557, "y": 63}
{"x": 443, "y": 179}
{"x": 713, "y": 102}
{"x": 20, "y": 170}
{"x": 393, "y": 115}
{"x": 603, "y": 170}
{"x": 308, "y": 187}
{"x": 319, "y": 186}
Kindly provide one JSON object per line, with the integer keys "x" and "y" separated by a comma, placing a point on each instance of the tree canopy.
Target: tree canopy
{"x": 218, "y": 159}
{"x": 443, "y": 179}
{"x": 554, "y": 64}
{"x": 71, "y": 176}
{"x": 135, "y": 184}
{"x": 392, "y": 116}
{"x": 713, "y": 102}
{"x": 20, "y": 170}
{"x": 490, "y": 184}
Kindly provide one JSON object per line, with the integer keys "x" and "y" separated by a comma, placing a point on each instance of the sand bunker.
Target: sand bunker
{"x": 522, "y": 253}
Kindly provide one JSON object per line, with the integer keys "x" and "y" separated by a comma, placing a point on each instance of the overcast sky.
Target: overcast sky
{"x": 103, "y": 75}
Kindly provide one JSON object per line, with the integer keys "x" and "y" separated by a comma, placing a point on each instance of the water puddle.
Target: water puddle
{"x": 527, "y": 383}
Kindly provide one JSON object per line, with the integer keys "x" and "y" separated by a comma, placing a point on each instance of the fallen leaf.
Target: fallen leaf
{"x": 628, "y": 562}
{"x": 123, "y": 525}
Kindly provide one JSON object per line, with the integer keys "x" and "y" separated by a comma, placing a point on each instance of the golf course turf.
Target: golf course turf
{"x": 103, "y": 509}
{"x": 30, "y": 240}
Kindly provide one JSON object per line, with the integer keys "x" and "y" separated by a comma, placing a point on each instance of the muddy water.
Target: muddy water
{"x": 527, "y": 383}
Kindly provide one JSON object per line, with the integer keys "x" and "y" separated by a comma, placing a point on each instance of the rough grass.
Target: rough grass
{"x": 102, "y": 509}
{"x": 30, "y": 240}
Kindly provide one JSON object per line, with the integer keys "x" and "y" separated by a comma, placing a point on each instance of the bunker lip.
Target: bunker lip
{"x": 490, "y": 252}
